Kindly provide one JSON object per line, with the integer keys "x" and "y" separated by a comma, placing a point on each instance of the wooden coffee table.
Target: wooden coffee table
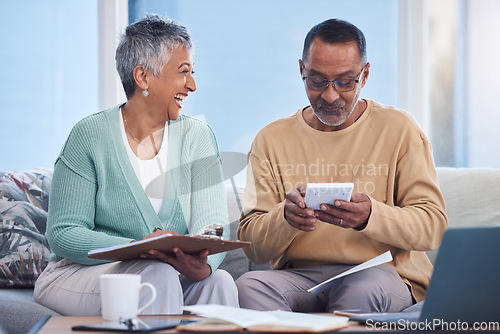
{"x": 63, "y": 324}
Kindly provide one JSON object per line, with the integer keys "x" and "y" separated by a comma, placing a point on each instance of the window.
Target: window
{"x": 247, "y": 52}
{"x": 49, "y": 77}
{"x": 434, "y": 58}
{"x": 463, "y": 72}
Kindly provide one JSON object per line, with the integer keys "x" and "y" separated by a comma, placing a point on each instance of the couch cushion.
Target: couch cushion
{"x": 471, "y": 195}
{"x": 235, "y": 262}
{"x": 18, "y": 312}
{"x": 24, "y": 251}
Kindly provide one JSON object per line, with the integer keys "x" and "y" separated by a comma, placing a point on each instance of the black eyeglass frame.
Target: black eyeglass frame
{"x": 334, "y": 82}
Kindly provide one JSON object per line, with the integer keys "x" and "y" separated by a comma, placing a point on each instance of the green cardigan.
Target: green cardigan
{"x": 97, "y": 201}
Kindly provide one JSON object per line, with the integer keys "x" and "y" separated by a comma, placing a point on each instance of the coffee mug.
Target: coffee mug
{"x": 120, "y": 296}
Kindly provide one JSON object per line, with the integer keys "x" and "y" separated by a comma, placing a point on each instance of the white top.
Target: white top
{"x": 151, "y": 173}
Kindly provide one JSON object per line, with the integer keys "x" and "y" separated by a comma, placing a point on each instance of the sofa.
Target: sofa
{"x": 470, "y": 195}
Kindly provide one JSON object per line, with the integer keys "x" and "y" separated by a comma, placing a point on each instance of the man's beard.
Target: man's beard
{"x": 340, "y": 114}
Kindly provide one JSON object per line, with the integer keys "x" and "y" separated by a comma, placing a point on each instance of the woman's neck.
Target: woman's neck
{"x": 144, "y": 134}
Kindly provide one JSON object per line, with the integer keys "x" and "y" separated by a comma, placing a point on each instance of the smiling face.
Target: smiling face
{"x": 332, "y": 110}
{"x": 169, "y": 90}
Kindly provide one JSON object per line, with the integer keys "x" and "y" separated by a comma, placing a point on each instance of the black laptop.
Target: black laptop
{"x": 465, "y": 284}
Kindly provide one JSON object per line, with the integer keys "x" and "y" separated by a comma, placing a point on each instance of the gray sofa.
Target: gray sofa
{"x": 470, "y": 195}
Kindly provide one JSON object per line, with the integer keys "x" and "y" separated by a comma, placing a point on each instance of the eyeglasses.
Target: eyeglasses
{"x": 340, "y": 85}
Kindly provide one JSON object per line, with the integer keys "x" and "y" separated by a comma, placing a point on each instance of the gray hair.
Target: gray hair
{"x": 336, "y": 31}
{"x": 148, "y": 43}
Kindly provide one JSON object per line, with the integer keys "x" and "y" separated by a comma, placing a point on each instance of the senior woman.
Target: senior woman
{"x": 136, "y": 171}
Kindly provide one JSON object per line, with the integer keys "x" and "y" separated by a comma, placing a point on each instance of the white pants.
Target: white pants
{"x": 73, "y": 289}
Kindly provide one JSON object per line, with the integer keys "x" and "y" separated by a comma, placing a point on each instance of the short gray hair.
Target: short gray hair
{"x": 148, "y": 42}
{"x": 336, "y": 31}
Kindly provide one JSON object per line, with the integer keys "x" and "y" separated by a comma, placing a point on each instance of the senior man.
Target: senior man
{"x": 396, "y": 204}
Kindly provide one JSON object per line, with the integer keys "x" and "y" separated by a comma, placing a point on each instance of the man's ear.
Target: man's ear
{"x": 141, "y": 77}
{"x": 366, "y": 73}
{"x": 301, "y": 66}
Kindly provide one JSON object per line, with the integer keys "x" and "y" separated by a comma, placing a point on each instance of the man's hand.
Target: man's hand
{"x": 296, "y": 212}
{"x": 353, "y": 214}
{"x": 193, "y": 266}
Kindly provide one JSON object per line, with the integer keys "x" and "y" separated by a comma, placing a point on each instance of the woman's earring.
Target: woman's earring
{"x": 145, "y": 92}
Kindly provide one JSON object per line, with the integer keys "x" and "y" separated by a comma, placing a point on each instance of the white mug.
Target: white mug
{"x": 120, "y": 296}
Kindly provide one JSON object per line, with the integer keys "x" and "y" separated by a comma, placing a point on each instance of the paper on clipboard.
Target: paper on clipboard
{"x": 165, "y": 242}
{"x": 383, "y": 258}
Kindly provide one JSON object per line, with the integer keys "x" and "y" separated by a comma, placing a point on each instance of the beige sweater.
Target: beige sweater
{"x": 387, "y": 157}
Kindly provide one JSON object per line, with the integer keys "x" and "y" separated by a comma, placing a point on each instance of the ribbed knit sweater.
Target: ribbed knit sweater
{"x": 97, "y": 201}
{"x": 385, "y": 155}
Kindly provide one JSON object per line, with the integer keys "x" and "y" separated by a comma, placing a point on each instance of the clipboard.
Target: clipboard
{"x": 187, "y": 243}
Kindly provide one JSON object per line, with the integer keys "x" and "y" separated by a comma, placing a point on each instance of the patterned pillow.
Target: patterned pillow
{"x": 24, "y": 201}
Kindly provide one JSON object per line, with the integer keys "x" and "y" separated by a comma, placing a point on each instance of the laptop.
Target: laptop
{"x": 465, "y": 284}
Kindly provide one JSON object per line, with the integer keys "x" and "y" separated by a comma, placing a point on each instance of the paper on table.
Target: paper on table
{"x": 383, "y": 258}
{"x": 239, "y": 316}
{"x": 268, "y": 321}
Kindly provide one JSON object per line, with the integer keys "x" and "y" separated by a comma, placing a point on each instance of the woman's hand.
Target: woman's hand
{"x": 193, "y": 266}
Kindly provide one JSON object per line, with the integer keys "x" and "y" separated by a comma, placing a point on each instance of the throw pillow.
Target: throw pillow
{"x": 24, "y": 251}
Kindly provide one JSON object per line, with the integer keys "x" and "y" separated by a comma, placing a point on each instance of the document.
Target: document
{"x": 219, "y": 316}
{"x": 187, "y": 243}
{"x": 383, "y": 258}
